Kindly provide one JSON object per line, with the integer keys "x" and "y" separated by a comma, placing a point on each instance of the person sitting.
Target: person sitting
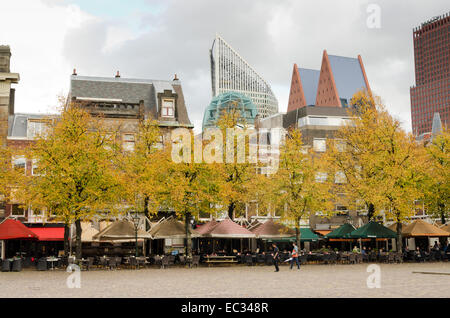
{"x": 363, "y": 251}
{"x": 355, "y": 249}
{"x": 418, "y": 255}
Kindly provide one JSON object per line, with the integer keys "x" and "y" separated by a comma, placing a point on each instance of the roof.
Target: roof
{"x": 87, "y": 233}
{"x": 205, "y": 228}
{"x": 373, "y": 230}
{"x": 120, "y": 230}
{"x": 446, "y": 227}
{"x": 348, "y": 75}
{"x": 306, "y": 235}
{"x": 422, "y": 228}
{"x": 170, "y": 228}
{"x": 342, "y": 231}
{"x": 270, "y": 229}
{"x": 18, "y": 123}
{"x": 310, "y": 81}
{"x": 14, "y": 230}
{"x": 229, "y": 229}
{"x": 129, "y": 90}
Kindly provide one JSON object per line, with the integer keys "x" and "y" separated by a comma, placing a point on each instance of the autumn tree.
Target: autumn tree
{"x": 297, "y": 186}
{"x": 77, "y": 171}
{"x": 437, "y": 184}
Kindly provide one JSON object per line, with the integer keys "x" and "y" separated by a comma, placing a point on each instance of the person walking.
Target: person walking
{"x": 275, "y": 257}
{"x": 295, "y": 256}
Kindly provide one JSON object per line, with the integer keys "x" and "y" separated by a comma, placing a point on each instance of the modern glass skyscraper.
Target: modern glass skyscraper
{"x": 230, "y": 72}
{"x": 432, "y": 63}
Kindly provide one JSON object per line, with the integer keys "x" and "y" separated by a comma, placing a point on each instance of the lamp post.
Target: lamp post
{"x": 136, "y": 220}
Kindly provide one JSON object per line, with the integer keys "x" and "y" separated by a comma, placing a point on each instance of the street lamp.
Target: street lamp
{"x": 136, "y": 220}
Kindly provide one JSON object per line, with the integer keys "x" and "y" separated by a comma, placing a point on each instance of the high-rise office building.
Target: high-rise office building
{"x": 230, "y": 72}
{"x": 431, "y": 94}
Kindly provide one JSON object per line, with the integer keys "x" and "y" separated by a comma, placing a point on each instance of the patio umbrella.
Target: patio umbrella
{"x": 120, "y": 231}
{"x": 169, "y": 229}
{"x": 341, "y": 232}
{"x": 422, "y": 228}
{"x": 372, "y": 230}
{"x": 446, "y": 227}
{"x": 14, "y": 230}
{"x": 270, "y": 229}
{"x": 306, "y": 235}
{"x": 229, "y": 229}
{"x": 87, "y": 233}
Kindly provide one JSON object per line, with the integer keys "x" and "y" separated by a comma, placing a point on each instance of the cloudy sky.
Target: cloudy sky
{"x": 156, "y": 39}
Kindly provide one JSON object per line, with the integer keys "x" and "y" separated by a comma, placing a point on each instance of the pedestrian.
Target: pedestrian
{"x": 275, "y": 257}
{"x": 295, "y": 256}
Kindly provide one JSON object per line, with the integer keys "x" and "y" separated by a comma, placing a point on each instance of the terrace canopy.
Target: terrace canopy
{"x": 270, "y": 229}
{"x": 170, "y": 229}
{"x": 373, "y": 230}
{"x": 306, "y": 235}
{"x": 446, "y": 227}
{"x": 205, "y": 228}
{"x": 120, "y": 231}
{"x": 393, "y": 227}
{"x": 422, "y": 228}
{"x": 14, "y": 230}
{"x": 87, "y": 233}
{"x": 229, "y": 229}
{"x": 341, "y": 232}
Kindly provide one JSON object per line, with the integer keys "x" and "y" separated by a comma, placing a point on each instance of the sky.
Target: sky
{"x": 156, "y": 39}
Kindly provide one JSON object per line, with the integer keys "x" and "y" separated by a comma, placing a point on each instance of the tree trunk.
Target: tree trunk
{"x": 442, "y": 212}
{"x": 78, "y": 231}
{"x": 297, "y": 233}
{"x": 188, "y": 235}
{"x": 231, "y": 210}
{"x": 66, "y": 239}
{"x": 399, "y": 236}
{"x": 371, "y": 211}
{"x": 146, "y": 212}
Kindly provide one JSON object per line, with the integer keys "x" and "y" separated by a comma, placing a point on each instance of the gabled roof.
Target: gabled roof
{"x": 309, "y": 79}
{"x": 373, "y": 230}
{"x": 205, "y": 228}
{"x": 348, "y": 75}
{"x": 342, "y": 231}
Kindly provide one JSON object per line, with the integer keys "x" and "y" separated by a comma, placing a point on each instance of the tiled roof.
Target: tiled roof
{"x": 229, "y": 229}
{"x": 272, "y": 229}
{"x": 170, "y": 228}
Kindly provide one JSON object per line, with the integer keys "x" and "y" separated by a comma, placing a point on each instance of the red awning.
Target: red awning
{"x": 49, "y": 233}
{"x": 14, "y": 230}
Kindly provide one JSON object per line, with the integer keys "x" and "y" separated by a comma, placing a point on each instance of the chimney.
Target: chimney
{"x": 175, "y": 78}
{"x": 74, "y": 72}
{"x": 117, "y": 74}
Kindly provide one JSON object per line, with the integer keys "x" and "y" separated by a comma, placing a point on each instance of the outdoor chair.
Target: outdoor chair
{"x": 372, "y": 257}
{"x": 157, "y": 260}
{"x": 326, "y": 258}
{"x": 165, "y": 262}
{"x": 359, "y": 258}
{"x": 249, "y": 260}
{"x": 352, "y": 258}
{"x": 391, "y": 258}
{"x": 90, "y": 263}
{"x": 42, "y": 264}
{"x": 27, "y": 262}
{"x": 195, "y": 260}
{"x": 365, "y": 258}
{"x": 103, "y": 262}
{"x": 17, "y": 265}
{"x": 333, "y": 258}
{"x": 182, "y": 260}
{"x": 133, "y": 262}
{"x": 303, "y": 259}
{"x": 6, "y": 265}
{"x": 260, "y": 258}
{"x": 269, "y": 259}
{"x": 118, "y": 261}
{"x": 112, "y": 263}
{"x": 171, "y": 260}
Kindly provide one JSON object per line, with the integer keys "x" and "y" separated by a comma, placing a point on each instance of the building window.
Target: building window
{"x": 321, "y": 177}
{"x": 339, "y": 177}
{"x": 17, "y": 210}
{"x": 128, "y": 142}
{"x": 36, "y": 128}
{"x": 35, "y": 168}
{"x": 168, "y": 109}
{"x": 341, "y": 210}
{"x": 320, "y": 144}
{"x": 20, "y": 163}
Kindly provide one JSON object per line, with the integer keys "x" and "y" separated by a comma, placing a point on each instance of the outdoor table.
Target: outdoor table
{"x": 210, "y": 259}
{"x": 51, "y": 260}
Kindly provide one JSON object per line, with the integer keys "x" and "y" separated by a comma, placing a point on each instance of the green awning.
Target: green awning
{"x": 306, "y": 235}
{"x": 341, "y": 232}
{"x": 373, "y": 230}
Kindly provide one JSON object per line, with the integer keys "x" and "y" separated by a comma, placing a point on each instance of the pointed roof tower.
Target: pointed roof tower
{"x": 303, "y": 87}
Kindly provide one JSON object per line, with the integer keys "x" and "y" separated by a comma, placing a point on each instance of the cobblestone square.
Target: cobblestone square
{"x": 397, "y": 280}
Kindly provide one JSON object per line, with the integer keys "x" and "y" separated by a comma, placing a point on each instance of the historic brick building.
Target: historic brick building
{"x": 431, "y": 94}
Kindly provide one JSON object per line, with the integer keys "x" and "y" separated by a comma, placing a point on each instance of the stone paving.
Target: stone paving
{"x": 397, "y": 280}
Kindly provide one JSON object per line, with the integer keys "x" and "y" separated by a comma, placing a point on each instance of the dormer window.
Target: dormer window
{"x": 168, "y": 108}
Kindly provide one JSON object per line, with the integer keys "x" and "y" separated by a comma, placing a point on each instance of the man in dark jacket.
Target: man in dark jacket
{"x": 275, "y": 254}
